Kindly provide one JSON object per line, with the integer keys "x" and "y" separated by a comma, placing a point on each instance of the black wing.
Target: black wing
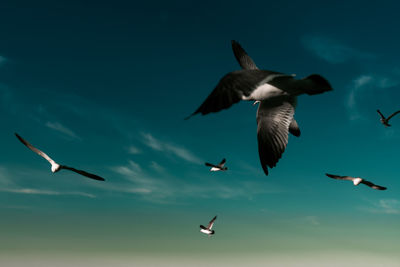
{"x": 380, "y": 114}
{"x": 242, "y": 57}
{"x": 211, "y": 223}
{"x": 374, "y": 186}
{"x": 338, "y": 177}
{"x": 231, "y": 89}
{"x": 203, "y": 227}
{"x": 211, "y": 165}
{"x": 391, "y": 116}
{"x": 89, "y": 175}
{"x": 222, "y": 162}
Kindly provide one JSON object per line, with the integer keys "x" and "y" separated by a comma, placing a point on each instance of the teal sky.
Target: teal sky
{"x": 104, "y": 87}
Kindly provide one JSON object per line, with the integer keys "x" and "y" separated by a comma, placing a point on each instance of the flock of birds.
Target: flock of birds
{"x": 276, "y": 95}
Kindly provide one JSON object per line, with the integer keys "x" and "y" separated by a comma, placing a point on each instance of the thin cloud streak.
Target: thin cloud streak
{"x": 175, "y": 150}
{"x": 332, "y": 50}
{"x": 385, "y": 206}
{"x": 62, "y": 129}
{"x": 32, "y": 191}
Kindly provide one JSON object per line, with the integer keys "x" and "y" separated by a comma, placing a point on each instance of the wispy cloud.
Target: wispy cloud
{"x": 133, "y": 150}
{"x": 2, "y": 60}
{"x": 362, "y": 87}
{"x": 386, "y": 206}
{"x": 62, "y": 129}
{"x": 10, "y": 186}
{"x": 173, "y": 149}
{"x": 331, "y": 50}
{"x": 32, "y": 191}
{"x": 166, "y": 188}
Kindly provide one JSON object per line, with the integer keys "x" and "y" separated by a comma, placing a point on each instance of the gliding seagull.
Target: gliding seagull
{"x": 385, "y": 121}
{"x": 55, "y": 167}
{"x": 207, "y": 230}
{"x": 277, "y": 93}
{"x": 219, "y": 167}
{"x": 356, "y": 181}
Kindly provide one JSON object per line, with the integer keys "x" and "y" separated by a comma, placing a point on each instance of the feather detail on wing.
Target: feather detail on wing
{"x": 242, "y": 57}
{"x": 273, "y": 120}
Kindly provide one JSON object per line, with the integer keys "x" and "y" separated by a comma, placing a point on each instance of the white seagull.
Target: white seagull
{"x": 55, "y": 167}
{"x": 207, "y": 230}
{"x": 219, "y": 167}
{"x": 277, "y": 93}
{"x": 356, "y": 181}
{"x": 385, "y": 121}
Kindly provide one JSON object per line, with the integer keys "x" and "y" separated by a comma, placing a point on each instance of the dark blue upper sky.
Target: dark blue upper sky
{"x": 104, "y": 86}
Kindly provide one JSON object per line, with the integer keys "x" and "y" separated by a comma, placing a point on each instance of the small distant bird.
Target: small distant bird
{"x": 55, "y": 167}
{"x": 385, "y": 121}
{"x": 277, "y": 93}
{"x": 207, "y": 230}
{"x": 356, "y": 181}
{"x": 219, "y": 167}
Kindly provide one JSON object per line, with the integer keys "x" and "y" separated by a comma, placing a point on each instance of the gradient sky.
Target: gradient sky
{"x": 104, "y": 87}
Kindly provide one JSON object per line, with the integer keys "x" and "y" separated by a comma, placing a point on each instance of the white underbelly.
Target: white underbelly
{"x": 264, "y": 92}
{"x": 214, "y": 169}
{"x": 357, "y": 181}
{"x": 205, "y": 231}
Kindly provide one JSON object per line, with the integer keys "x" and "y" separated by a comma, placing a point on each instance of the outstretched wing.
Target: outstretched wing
{"x": 211, "y": 165}
{"x": 273, "y": 120}
{"x": 203, "y": 227}
{"x": 89, "y": 175}
{"x": 211, "y": 223}
{"x": 34, "y": 149}
{"x": 380, "y": 114}
{"x": 374, "y": 186}
{"x": 338, "y": 177}
{"x": 242, "y": 57}
{"x": 232, "y": 88}
{"x": 393, "y": 115}
{"x": 222, "y": 163}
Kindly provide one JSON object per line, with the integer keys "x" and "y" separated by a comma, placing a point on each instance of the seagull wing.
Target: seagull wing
{"x": 294, "y": 128}
{"x": 211, "y": 223}
{"x": 393, "y": 115}
{"x": 374, "y": 186}
{"x": 233, "y": 87}
{"x": 89, "y": 175}
{"x": 203, "y": 227}
{"x": 211, "y": 165}
{"x": 242, "y": 57}
{"x": 34, "y": 149}
{"x": 246, "y": 62}
{"x": 338, "y": 177}
{"x": 222, "y": 163}
{"x": 380, "y": 114}
{"x": 273, "y": 120}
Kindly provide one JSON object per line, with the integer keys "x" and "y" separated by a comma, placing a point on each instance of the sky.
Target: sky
{"x": 104, "y": 86}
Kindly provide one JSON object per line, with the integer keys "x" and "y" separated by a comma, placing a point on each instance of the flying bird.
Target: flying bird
{"x": 55, "y": 167}
{"x": 219, "y": 167}
{"x": 356, "y": 181}
{"x": 385, "y": 121}
{"x": 277, "y": 93}
{"x": 207, "y": 230}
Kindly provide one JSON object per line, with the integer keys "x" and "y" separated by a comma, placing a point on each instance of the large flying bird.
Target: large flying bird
{"x": 356, "y": 181}
{"x": 55, "y": 167}
{"x": 277, "y": 93}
